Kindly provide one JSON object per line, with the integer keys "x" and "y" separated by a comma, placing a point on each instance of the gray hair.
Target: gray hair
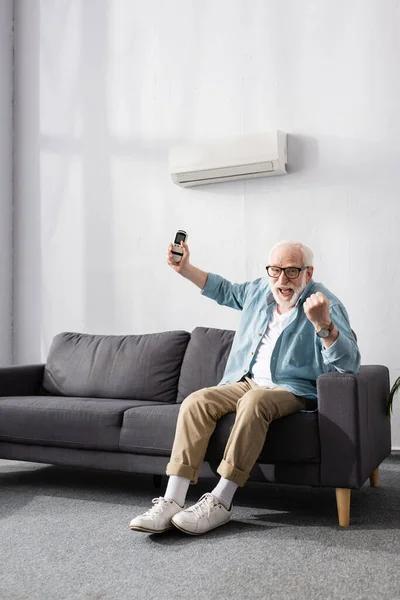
{"x": 306, "y": 252}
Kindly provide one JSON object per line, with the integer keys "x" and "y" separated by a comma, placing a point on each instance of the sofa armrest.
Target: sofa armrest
{"x": 354, "y": 429}
{"x": 24, "y": 380}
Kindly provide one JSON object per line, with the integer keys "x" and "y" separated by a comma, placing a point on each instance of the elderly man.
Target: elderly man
{"x": 292, "y": 330}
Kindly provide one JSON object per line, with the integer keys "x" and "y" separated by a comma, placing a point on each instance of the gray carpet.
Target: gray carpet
{"x": 64, "y": 535}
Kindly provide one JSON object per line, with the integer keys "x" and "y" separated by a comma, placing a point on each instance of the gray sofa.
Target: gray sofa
{"x": 111, "y": 402}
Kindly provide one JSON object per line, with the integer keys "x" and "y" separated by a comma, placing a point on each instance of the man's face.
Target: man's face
{"x": 287, "y": 291}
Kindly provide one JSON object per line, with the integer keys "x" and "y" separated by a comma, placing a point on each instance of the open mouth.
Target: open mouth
{"x": 285, "y": 292}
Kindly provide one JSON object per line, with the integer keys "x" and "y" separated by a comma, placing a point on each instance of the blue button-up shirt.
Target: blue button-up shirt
{"x": 299, "y": 356}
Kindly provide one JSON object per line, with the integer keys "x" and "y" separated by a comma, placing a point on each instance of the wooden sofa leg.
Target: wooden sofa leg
{"x": 374, "y": 478}
{"x": 343, "y": 496}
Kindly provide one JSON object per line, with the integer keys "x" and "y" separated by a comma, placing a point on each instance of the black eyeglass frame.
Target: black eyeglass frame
{"x": 300, "y": 269}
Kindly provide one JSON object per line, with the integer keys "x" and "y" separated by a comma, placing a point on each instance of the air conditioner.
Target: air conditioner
{"x": 249, "y": 156}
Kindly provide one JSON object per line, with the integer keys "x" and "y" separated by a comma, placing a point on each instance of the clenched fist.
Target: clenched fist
{"x": 316, "y": 308}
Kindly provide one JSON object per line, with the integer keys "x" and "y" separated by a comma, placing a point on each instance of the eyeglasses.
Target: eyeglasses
{"x": 290, "y": 272}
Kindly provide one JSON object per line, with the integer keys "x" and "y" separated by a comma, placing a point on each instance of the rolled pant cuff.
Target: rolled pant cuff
{"x": 183, "y": 471}
{"x": 232, "y": 473}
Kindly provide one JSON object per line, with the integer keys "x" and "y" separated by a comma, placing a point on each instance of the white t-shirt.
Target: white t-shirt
{"x": 261, "y": 369}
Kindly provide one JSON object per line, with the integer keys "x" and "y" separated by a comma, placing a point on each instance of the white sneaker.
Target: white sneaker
{"x": 208, "y": 513}
{"x": 158, "y": 518}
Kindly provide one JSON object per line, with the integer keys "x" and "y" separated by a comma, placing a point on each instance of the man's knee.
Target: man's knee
{"x": 199, "y": 398}
{"x": 192, "y": 400}
{"x": 257, "y": 404}
{"x": 201, "y": 401}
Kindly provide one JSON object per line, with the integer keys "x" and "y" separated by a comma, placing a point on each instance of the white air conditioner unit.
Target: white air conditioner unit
{"x": 249, "y": 156}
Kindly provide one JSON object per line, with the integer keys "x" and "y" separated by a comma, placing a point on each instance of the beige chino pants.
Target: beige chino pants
{"x": 255, "y": 409}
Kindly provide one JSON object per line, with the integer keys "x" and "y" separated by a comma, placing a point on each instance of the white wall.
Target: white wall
{"x": 6, "y": 96}
{"x": 29, "y": 280}
{"x": 108, "y": 86}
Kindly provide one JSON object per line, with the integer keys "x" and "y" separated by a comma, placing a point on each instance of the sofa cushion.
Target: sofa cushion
{"x": 151, "y": 430}
{"x": 91, "y": 423}
{"x": 143, "y": 367}
{"x": 205, "y": 359}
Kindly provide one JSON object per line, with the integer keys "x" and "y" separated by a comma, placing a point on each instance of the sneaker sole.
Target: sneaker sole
{"x": 138, "y": 528}
{"x": 200, "y": 532}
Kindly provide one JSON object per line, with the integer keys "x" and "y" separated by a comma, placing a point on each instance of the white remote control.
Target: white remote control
{"x": 177, "y": 250}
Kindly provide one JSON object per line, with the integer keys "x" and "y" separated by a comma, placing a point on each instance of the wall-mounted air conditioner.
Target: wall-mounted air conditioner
{"x": 258, "y": 155}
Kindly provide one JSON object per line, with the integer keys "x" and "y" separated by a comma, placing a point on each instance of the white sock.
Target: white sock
{"x": 177, "y": 488}
{"x": 224, "y": 492}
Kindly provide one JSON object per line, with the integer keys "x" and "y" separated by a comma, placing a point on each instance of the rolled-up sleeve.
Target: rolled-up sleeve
{"x": 343, "y": 354}
{"x": 224, "y": 292}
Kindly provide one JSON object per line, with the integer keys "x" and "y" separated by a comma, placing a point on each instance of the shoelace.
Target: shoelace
{"x": 155, "y": 510}
{"x": 205, "y": 505}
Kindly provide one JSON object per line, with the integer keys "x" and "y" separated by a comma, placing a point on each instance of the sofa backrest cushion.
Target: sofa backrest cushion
{"x": 140, "y": 367}
{"x": 205, "y": 359}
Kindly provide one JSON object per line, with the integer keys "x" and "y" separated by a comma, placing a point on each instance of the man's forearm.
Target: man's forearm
{"x": 196, "y": 276}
